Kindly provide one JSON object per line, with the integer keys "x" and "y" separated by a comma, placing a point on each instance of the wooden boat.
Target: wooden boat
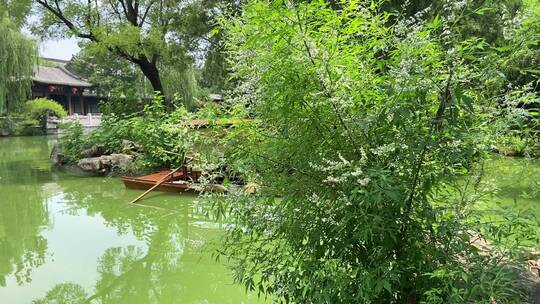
{"x": 182, "y": 181}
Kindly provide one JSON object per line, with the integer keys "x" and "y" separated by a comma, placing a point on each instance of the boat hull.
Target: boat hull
{"x": 176, "y": 183}
{"x": 138, "y": 184}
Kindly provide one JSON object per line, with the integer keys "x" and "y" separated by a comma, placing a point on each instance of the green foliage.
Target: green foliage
{"x": 514, "y": 145}
{"x": 520, "y": 58}
{"x": 210, "y": 111}
{"x": 64, "y": 293}
{"x": 121, "y": 105}
{"x": 162, "y": 140}
{"x": 485, "y": 19}
{"x": 16, "y": 10}
{"x": 182, "y": 81}
{"x": 215, "y": 70}
{"x": 35, "y": 114}
{"x": 112, "y": 74}
{"x": 72, "y": 142}
{"x": 161, "y": 38}
{"x": 17, "y": 59}
{"x": 8, "y": 125}
{"x": 42, "y": 108}
{"x": 515, "y": 124}
{"x": 361, "y": 130}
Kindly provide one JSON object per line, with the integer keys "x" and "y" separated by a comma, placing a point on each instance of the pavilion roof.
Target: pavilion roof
{"x": 59, "y": 75}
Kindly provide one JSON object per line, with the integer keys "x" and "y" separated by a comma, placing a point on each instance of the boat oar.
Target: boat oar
{"x": 156, "y": 185}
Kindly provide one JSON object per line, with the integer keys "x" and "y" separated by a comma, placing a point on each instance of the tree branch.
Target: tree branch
{"x": 114, "y": 7}
{"x": 132, "y": 13}
{"x": 327, "y": 92}
{"x": 143, "y": 18}
{"x": 71, "y": 26}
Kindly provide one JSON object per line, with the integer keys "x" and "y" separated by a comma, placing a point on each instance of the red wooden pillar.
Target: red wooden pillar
{"x": 70, "y": 106}
{"x": 81, "y": 100}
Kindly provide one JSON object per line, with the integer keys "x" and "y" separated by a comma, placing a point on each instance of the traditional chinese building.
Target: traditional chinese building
{"x": 56, "y": 82}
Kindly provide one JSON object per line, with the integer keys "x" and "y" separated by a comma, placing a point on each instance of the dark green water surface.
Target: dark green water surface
{"x": 68, "y": 239}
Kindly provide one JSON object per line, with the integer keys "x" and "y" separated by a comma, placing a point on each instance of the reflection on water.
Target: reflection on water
{"x": 517, "y": 182}
{"x": 23, "y": 215}
{"x": 66, "y": 239}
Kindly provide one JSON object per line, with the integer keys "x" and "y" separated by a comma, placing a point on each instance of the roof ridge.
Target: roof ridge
{"x": 53, "y": 75}
{"x": 70, "y": 73}
{"x": 54, "y": 59}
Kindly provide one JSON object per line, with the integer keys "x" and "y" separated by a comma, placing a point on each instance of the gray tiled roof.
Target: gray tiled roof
{"x": 59, "y": 76}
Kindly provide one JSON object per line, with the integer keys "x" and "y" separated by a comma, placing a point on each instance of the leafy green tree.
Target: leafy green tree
{"x": 514, "y": 85}
{"x": 17, "y": 56}
{"x": 120, "y": 82}
{"x": 112, "y": 74}
{"x": 215, "y": 70}
{"x": 162, "y": 38}
{"x": 125, "y": 85}
{"x": 134, "y": 30}
{"x": 364, "y": 135}
{"x": 63, "y": 293}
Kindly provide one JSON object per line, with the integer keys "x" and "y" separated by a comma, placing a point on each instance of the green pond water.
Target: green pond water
{"x": 68, "y": 239}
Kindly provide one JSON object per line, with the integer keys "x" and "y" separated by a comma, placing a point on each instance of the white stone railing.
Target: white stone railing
{"x": 87, "y": 121}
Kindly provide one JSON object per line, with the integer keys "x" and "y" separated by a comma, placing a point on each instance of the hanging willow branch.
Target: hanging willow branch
{"x": 17, "y": 59}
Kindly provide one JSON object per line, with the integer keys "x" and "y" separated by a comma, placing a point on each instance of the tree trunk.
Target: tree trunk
{"x": 151, "y": 72}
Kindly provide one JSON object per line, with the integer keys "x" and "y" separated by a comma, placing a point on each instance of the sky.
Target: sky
{"x": 59, "y": 49}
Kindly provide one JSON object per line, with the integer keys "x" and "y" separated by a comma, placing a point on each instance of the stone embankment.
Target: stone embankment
{"x": 96, "y": 161}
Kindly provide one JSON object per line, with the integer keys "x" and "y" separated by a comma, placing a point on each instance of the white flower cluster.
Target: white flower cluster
{"x": 384, "y": 150}
{"x": 453, "y": 9}
{"x": 412, "y": 24}
{"x": 512, "y": 26}
{"x": 343, "y": 171}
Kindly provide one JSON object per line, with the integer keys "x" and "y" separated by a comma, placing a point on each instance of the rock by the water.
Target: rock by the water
{"x": 56, "y": 155}
{"x": 95, "y": 151}
{"x": 92, "y": 165}
{"x": 120, "y": 161}
{"x": 105, "y": 163}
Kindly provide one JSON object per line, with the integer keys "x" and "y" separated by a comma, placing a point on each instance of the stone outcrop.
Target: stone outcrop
{"x": 105, "y": 164}
{"x": 95, "y": 151}
{"x": 95, "y": 161}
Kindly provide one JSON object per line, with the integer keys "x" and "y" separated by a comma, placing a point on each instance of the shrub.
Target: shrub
{"x": 361, "y": 130}
{"x": 43, "y": 107}
{"x": 40, "y": 109}
{"x": 29, "y": 127}
{"x": 162, "y": 140}
{"x": 210, "y": 111}
{"x": 73, "y": 142}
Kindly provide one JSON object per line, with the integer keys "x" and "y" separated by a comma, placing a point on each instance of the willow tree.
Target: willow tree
{"x": 17, "y": 53}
